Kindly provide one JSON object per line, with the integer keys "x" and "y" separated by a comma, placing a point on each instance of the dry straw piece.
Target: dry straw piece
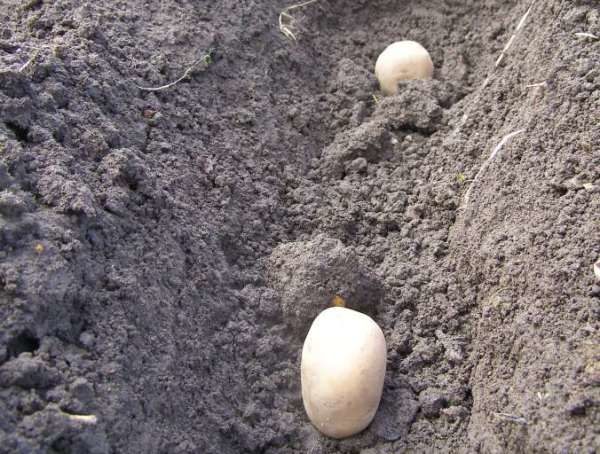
{"x": 206, "y": 59}
{"x": 586, "y": 35}
{"x": 488, "y": 161}
{"x": 487, "y": 80}
{"x": 286, "y": 19}
{"x": 86, "y": 419}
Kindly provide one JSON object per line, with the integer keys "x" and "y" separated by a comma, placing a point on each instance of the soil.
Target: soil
{"x": 162, "y": 253}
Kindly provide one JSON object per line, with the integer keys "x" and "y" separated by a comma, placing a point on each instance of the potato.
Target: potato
{"x": 402, "y": 60}
{"x": 342, "y": 371}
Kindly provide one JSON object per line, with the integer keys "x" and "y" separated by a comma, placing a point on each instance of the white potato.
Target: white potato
{"x": 342, "y": 371}
{"x": 402, "y": 60}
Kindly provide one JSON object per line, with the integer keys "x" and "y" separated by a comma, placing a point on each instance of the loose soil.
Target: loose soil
{"x": 162, "y": 253}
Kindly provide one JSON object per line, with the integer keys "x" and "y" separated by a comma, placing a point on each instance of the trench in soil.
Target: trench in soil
{"x": 157, "y": 215}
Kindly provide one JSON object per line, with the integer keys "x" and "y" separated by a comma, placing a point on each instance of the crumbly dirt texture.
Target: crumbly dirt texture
{"x": 163, "y": 252}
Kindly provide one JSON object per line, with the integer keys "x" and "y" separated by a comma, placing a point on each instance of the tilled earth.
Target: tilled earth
{"x": 163, "y": 252}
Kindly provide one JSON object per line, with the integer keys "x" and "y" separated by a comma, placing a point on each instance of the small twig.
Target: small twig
{"x": 206, "y": 59}
{"x": 286, "y": 19}
{"x": 23, "y": 67}
{"x": 539, "y": 84}
{"x": 514, "y": 35}
{"x": 30, "y": 61}
{"x": 88, "y": 419}
{"x": 488, "y": 161}
{"x": 586, "y": 35}
{"x": 487, "y": 80}
{"x": 513, "y": 418}
{"x": 497, "y": 292}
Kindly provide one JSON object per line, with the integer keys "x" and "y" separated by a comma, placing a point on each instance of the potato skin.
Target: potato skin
{"x": 402, "y": 60}
{"x": 342, "y": 371}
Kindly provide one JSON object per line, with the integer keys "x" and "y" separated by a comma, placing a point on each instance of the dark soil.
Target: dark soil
{"x": 163, "y": 253}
